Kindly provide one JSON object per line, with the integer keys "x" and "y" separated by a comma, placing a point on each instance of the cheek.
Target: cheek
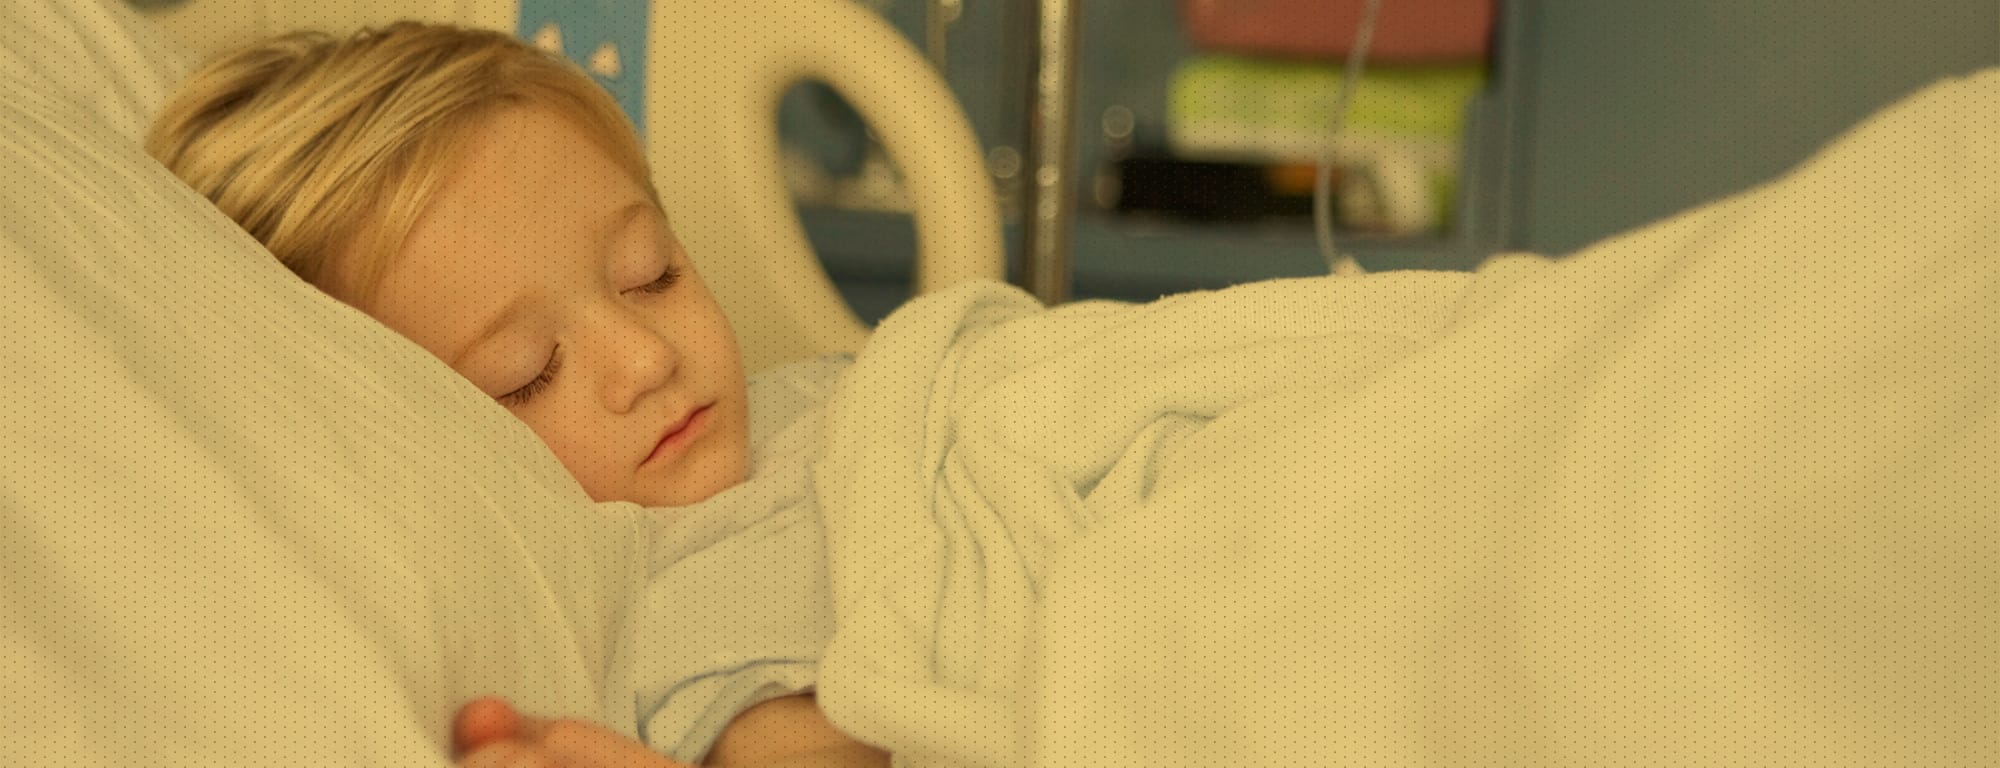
{"x": 568, "y": 438}
{"x": 720, "y": 335}
{"x": 697, "y": 325}
{"x": 702, "y": 303}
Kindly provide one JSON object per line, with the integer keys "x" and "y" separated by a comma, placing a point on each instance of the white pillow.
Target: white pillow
{"x": 96, "y": 53}
{"x": 241, "y": 523}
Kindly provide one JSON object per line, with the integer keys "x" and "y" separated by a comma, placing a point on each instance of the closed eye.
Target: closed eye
{"x": 542, "y": 381}
{"x": 666, "y": 280}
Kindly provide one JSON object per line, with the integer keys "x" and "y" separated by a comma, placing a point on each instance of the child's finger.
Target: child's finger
{"x": 482, "y": 722}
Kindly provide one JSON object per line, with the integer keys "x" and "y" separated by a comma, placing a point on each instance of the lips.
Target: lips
{"x": 679, "y": 435}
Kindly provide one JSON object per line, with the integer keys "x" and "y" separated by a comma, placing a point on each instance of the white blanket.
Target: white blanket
{"x": 1719, "y": 491}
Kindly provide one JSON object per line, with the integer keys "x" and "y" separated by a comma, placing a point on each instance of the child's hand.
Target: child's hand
{"x": 489, "y": 734}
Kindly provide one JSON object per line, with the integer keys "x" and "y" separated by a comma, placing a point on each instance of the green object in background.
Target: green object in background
{"x": 1418, "y": 101}
{"x": 1237, "y": 105}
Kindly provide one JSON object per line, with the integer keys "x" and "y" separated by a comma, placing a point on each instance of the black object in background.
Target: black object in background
{"x": 1204, "y": 189}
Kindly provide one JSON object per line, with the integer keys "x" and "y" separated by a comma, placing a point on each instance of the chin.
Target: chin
{"x": 700, "y": 483}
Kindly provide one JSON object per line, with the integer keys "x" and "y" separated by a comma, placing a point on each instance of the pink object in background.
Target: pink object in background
{"x": 1407, "y": 30}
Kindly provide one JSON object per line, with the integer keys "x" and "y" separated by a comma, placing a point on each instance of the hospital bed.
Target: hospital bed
{"x": 1715, "y": 491}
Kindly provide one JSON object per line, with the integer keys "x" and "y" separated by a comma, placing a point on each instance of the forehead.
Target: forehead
{"x": 527, "y": 159}
{"x": 514, "y": 216}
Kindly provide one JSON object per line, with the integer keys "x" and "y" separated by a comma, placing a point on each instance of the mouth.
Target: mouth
{"x": 679, "y": 435}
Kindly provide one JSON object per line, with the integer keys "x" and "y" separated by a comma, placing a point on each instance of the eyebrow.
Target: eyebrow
{"x": 619, "y": 221}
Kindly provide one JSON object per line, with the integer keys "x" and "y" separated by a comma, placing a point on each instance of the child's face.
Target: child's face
{"x": 543, "y": 273}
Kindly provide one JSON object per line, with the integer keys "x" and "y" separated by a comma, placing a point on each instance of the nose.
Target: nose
{"x": 638, "y": 359}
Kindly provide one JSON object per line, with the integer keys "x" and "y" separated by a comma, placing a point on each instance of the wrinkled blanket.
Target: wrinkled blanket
{"x": 1722, "y": 490}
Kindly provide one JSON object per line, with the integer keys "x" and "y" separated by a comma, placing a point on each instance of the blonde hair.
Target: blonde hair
{"x": 328, "y": 149}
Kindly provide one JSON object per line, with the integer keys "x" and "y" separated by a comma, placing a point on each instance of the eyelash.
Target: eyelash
{"x": 663, "y": 282}
{"x": 521, "y": 396}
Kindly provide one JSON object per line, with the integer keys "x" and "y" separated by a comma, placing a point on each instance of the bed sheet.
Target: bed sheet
{"x": 1717, "y": 491}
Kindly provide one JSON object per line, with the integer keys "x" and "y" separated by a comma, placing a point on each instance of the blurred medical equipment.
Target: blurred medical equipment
{"x": 1049, "y": 197}
{"x": 1343, "y": 265}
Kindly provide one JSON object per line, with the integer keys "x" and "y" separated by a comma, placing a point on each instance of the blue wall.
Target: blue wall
{"x": 1630, "y": 111}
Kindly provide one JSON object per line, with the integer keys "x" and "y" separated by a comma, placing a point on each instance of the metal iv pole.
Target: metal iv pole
{"x": 1049, "y": 197}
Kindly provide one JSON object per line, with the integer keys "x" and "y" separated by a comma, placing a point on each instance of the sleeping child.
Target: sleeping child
{"x": 492, "y": 204}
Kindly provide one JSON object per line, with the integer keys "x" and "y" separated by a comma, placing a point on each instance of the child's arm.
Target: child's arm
{"x": 789, "y": 731}
{"x": 782, "y": 733}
